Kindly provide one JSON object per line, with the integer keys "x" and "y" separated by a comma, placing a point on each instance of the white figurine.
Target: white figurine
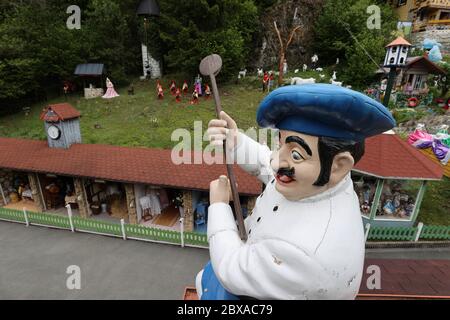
{"x": 305, "y": 234}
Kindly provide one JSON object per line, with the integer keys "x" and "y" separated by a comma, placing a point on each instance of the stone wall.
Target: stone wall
{"x": 131, "y": 204}
{"x": 81, "y": 197}
{"x": 440, "y": 35}
{"x": 188, "y": 212}
{"x": 6, "y": 179}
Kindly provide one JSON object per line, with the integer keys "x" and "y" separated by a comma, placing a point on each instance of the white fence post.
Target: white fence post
{"x": 367, "y": 232}
{"x": 26, "y": 217}
{"x": 122, "y": 225}
{"x": 419, "y": 231}
{"x": 182, "y": 231}
{"x": 69, "y": 213}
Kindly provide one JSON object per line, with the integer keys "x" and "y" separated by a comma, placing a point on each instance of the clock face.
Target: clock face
{"x": 54, "y": 132}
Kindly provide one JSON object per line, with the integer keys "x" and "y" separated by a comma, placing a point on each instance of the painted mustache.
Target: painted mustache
{"x": 288, "y": 172}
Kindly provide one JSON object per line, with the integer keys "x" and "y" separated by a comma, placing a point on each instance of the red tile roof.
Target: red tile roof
{"x": 123, "y": 164}
{"x": 61, "y": 112}
{"x": 388, "y": 156}
{"x": 400, "y": 41}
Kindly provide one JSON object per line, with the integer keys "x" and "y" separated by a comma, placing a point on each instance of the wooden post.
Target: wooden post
{"x": 367, "y": 232}
{"x": 182, "y": 231}
{"x": 3, "y": 195}
{"x": 122, "y": 225}
{"x": 419, "y": 199}
{"x": 419, "y": 231}
{"x": 69, "y": 213}
{"x": 390, "y": 85}
{"x": 26, "y": 217}
{"x": 376, "y": 199}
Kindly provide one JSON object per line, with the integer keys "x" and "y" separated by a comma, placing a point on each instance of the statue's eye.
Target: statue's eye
{"x": 296, "y": 156}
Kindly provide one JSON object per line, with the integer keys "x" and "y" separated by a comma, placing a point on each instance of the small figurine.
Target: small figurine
{"x": 207, "y": 92}
{"x": 314, "y": 60}
{"x": 194, "y": 97}
{"x": 271, "y": 81}
{"x": 265, "y": 81}
{"x": 110, "y": 92}
{"x": 365, "y": 208}
{"x": 160, "y": 92}
{"x": 185, "y": 88}
{"x": 388, "y": 207}
{"x": 178, "y": 95}
{"x": 443, "y": 135}
{"x": 173, "y": 87}
{"x": 198, "y": 85}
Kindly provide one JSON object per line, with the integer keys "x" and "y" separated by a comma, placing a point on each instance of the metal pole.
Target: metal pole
{"x": 390, "y": 85}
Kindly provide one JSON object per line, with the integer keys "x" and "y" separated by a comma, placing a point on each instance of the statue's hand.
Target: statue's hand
{"x": 222, "y": 129}
{"x": 220, "y": 191}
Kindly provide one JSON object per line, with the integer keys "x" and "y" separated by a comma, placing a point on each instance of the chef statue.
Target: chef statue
{"x": 305, "y": 234}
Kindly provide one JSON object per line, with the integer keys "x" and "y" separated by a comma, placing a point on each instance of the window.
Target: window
{"x": 392, "y": 60}
{"x": 394, "y": 49}
{"x": 398, "y": 200}
{"x": 365, "y": 188}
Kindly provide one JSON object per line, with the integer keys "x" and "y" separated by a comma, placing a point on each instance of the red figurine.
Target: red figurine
{"x": 194, "y": 97}
{"x": 207, "y": 92}
{"x": 178, "y": 95}
{"x": 173, "y": 87}
{"x": 185, "y": 88}
{"x": 265, "y": 81}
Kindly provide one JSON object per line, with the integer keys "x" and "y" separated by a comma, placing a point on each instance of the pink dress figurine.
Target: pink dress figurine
{"x": 110, "y": 92}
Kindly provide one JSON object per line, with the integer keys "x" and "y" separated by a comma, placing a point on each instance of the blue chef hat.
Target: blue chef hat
{"x": 324, "y": 110}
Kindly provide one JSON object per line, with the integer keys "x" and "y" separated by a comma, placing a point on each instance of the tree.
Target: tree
{"x": 284, "y": 45}
{"x": 342, "y": 32}
{"x": 191, "y": 30}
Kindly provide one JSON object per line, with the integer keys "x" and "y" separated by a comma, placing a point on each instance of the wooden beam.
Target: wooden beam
{"x": 419, "y": 199}
{"x": 376, "y": 199}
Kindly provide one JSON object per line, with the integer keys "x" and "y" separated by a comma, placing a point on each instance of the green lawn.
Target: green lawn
{"x": 142, "y": 120}
{"x": 139, "y": 120}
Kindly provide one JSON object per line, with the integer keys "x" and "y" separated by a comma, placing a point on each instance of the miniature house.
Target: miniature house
{"x": 62, "y": 125}
{"x": 390, "y": 181}
{"x": 397, "y": 52}
{"x": 108, "y": 182}
{"x": 92, "y": 75}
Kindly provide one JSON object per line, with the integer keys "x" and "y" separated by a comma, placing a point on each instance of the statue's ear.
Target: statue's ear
{"x": 342, "y": 164}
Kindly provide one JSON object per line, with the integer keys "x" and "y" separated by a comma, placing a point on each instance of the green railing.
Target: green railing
{"x": 104, "y": 227}
{"x": 152, "y": 234}
{"x": 12, "y": 215}
{"x": 392, "y": 233}
{"x": 195, "y": 239}
{"x": 48, "y": 220}
{"x": 435, "y": 233}
{"x": 97, "y": 226}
